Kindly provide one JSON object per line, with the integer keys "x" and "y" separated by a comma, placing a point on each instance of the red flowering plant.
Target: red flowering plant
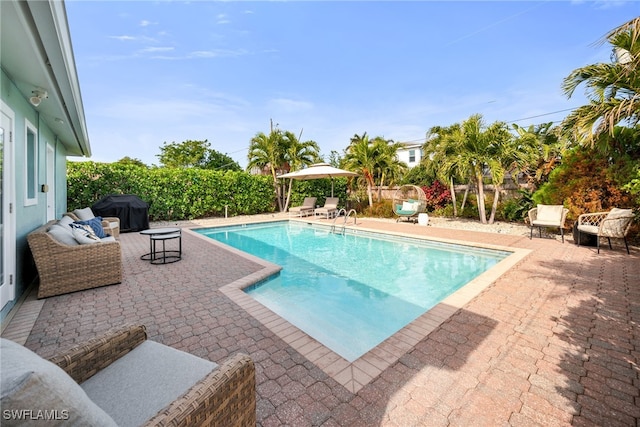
{"x": 438, "y": 196}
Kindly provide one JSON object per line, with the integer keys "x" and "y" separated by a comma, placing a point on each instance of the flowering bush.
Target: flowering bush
{"x": 438, "y": 196}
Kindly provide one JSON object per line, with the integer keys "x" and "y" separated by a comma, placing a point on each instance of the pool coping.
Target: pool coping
{"x": 355, "y": 375}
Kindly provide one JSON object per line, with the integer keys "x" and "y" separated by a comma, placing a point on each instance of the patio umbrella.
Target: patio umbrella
{"x": 318, "y": 170}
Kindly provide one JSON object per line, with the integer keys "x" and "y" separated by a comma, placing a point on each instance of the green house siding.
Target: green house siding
{"x": 30, "y": 216}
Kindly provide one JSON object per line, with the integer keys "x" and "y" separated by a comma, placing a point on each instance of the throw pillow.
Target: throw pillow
{"x": 95, "y": 224}
{"x": 66, "y": 221}
{"x": 84, "y": 234}
{"x": 39, "y": 392}
{"x": 408, "y": 206}
{"x": 84, "y": 214}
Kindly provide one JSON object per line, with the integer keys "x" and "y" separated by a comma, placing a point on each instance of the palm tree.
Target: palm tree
{"x": 269, "y": 151}
{"x": 360, "y": 157}
{"x": 299, "y": 154}
{"x": 442, "y": 159}
{"x": 613, "y": 89}
{"x": 469, "y": 150}
{"x": 388, "y": 167}
{"x": 545, "y": 146}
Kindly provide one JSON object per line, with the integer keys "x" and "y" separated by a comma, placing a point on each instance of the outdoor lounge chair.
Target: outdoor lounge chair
{"x": 305, "y": 209}
{"x": 123, "y": 379}
{"x": 408, "y": 202}
{"x": 330, "y": 208}
{"x": 552, "y": 216}
{"x": 615, "y": 223}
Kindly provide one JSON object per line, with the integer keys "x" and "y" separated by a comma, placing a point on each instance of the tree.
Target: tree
{"x": 613, "y": 89}
{"x": 545, "y": 146}
{"x": 280, "y": 152}
{"x": 360, "y": 158}
{"x": 194, "y": 154}
{"x": 469, "y": 150}
{"x": 269, "y": 152}
{"x": 388, "y": 168}
{"x": 442, "y": 146}
{"x": 218, "y": 161}
{"x": 299, "y": 154}
{"x": 126, "y": 160}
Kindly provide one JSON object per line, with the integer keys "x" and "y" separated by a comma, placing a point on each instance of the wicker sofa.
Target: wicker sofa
{"x": 124, "y": 379}
{"x": 63, "y": 268}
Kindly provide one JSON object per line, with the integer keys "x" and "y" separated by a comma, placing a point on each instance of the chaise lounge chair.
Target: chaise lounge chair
{"x": 330, "y": 208}
{"x": 305, "y": 209}
{"x": 615, "y": 223}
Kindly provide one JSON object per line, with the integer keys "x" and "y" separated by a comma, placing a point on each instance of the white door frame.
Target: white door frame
{"x": 51, "y": 182}
{"x": 8, "y": 223}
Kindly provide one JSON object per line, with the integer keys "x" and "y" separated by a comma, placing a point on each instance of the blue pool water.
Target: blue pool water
{"x": 351, "y": 292}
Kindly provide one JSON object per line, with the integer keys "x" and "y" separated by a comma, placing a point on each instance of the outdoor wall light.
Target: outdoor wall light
{"x": 37, "y": 96}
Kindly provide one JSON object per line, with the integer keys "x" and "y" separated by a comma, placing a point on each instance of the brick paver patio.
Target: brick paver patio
{"x": 553, "y": 341}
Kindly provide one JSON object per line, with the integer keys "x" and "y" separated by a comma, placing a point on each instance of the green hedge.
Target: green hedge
{"x": 173, "y": 194}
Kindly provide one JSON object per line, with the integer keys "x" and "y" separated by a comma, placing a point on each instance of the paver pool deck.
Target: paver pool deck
{"x": 553, "y": 341}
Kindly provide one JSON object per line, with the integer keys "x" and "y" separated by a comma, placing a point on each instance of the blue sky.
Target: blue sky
{"x": 168, "y": 71}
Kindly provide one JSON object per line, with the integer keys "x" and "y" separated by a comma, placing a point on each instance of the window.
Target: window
{"x": 31, "y": 165}
{"x": 412, "y": 156}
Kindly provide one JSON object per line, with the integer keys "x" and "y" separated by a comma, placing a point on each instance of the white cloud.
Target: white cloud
{"x": 157, "y": 49}
{"x": 122, "y": 38}
{"x": 216, "y": 53}
{"x": 289, "y": 105}
{"x": 222, "y": 19}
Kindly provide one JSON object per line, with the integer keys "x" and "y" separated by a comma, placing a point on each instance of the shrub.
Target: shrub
{"x": 516, "y": 208}
{"x": 173, "y": 194}
{"x": 438, "y": 195}
{"x": 382, "y": 209}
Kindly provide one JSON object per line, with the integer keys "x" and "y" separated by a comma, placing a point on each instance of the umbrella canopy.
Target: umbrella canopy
{"x": 318, "y": 170}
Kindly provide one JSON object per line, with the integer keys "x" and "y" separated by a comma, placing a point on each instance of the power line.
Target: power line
{"x": 541, "y": 115}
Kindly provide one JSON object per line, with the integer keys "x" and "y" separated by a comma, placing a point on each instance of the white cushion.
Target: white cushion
{"x": 549, "y": 214}
{"x": 618, "y": 213}
{"x": 66, "y": 221}
{"x": 33, "y": 386}
{"x": 408, "y": 206}
{"x": 63, "y": 234}
{"x": 84, "y": 214}
{"x": 613, "y": 225}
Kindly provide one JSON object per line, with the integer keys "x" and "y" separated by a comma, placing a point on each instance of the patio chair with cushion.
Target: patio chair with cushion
{"x": 330, "y": 208}
{"x": 305, "y": 209}
{"x": 547, "y": 216}
{"x": 615, "y": 223}
{"x": 123, "y": 379}
{"x": 72, "y": 259}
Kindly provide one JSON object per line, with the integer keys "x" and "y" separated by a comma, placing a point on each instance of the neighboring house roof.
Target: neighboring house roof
{"x": 36, "y": 52}
{"x": 410, "y": 145}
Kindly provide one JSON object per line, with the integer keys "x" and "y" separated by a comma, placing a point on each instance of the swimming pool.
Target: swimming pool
{"x": 351, "y": 292}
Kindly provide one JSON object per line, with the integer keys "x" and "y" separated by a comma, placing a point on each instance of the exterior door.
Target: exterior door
{"x": 51, "y": 177}
{"x": 7, "y": 210}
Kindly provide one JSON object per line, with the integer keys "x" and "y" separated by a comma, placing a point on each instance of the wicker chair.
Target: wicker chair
{"x": 63, "y": 269}
{"x": 615, "y": 223}
{"x": 552, "y": 216}
{"x": 224, "y": 397}
{"x": 408, "y": 202}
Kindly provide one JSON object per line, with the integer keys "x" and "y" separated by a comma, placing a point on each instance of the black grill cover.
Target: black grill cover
{"x": 132, "y": 211}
